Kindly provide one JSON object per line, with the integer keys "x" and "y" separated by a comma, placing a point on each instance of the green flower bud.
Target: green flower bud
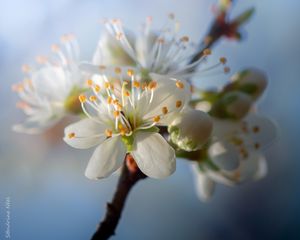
{"x": 234, "y": 105}
{"x": 191, "y": 130}
{"x": 250, "y": 81}
{"x": 244, "y": 17}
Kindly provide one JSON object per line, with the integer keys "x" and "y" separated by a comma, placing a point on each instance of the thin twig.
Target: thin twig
{"x": 114, "y": 209}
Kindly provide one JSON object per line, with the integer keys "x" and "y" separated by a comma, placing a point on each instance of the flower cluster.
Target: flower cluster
{"x": 136, "y": 99}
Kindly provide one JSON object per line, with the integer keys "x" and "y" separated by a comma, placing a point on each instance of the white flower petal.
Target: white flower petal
{"x": 261, "y": 129}
{"x": 51, "y": 82}
{"x": 203, "y": 184}
{"x": 224, "y": 155}
{"x": 153, "y": 155}
{"x": 106, "y": 159}
{"x": 167, "y": 94}
{"x": 262, "y": 168}
{"x": 88, "y": 133}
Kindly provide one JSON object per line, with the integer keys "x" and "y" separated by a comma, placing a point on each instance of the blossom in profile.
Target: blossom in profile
{"x": 123, "y": 118}
{"x": 49, "y": 91}
{"x": 235, "y": 154}
{"x": 152, "y": 51}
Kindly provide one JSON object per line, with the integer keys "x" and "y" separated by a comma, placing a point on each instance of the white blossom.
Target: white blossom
{"x": 47, "y": 86}
{"x": 123, "y": 119}
{"x": 236, "y": 153}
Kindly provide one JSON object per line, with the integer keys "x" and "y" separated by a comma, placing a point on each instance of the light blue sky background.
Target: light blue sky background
{"x": 51, "y": 198}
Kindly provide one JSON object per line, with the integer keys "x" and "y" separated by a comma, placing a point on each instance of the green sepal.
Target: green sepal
{"x": 244, "y": 17}
{"x": 128, "y": 142}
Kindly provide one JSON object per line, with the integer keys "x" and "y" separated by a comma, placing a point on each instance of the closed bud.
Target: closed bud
{"x": 111, "y": 52}
{"x": 250, "y": 81}
{"x": 237, "y": 104}
{"x": 191, "y": 130}
{"x": 233, "y": 105}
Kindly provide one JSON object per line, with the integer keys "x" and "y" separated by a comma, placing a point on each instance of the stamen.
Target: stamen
{"x": 136, "y": 84}
{"x": 118, "y": 70}
{"x": 179, "y": 84}
{"x": 256, "y": 145}
{"x": 164, "y": 110}
{"x": 71, "y": 135}
{"x": 207, "y": 52}
{"x": 97, "y": 88}
{"x": 82, "y": 98}
{"x": 102, "y": 67}
{"x": 109, "y": 100}
{"x": 152, "y": 85}
{"x": 108, "y": 133}
{"x": 185, "y": 39}
{"x": 130, "y": 72}
{"x": 116, "y": 114}
{"x": 89, "y": 82}
{"x": 54, "y": 48}
{"x": 156, "y": 119}
{"x": 256, "y": 129}
{"x": 207, "y": 40}
{"x": 223, "y": 60}
{"x": 107, "y": 85}
{"x": 178, "y": 103}
{"x": 93, "y": 98}
{"x": 26, "y": 68}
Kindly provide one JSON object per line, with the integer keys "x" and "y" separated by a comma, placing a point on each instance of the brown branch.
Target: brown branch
{"x": 114, "y": 209}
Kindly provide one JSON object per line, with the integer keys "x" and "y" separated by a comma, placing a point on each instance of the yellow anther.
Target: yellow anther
{"x": 161, "y": 40}
{"x": 127, "y": 94}
{"x": 22, "y": 105}
{"x": 26, "y": 68}
{"x": 116, "y": 101}
{"x": 152, "y": 85}
{"x": 156, "y": 119}
{"x": 109, "y": 100}
{"x": 116, "y": 114}
{"x": 226, "y": 69}
{"x": 82, "y": 98}
{"x": 223, "y": 60}
{"x": 185, "y": 39}
{"x": 119, "y": 36}
{"x": 54, "y": 48}
{"x": 122, "y": 132}
{"x": 207, "y": 40}
{"x": 102, "y": 67}
{"x": 93, "y": 98}
{"x": 41, "y": 59}
{"x": 71, "y": 135}
{"x": 164, "y": 110}
{"x": 178, "y": 104}
{"x": 17, "y": 87}
{"x": 108, "y": 133}
{"x": 89, "y": 82}
{"x": 130, "y": 72}
{"x": 207, "y": 52}
{"x": 144, "y": 85}
{"x": 136, "y": 84}
{"x": 255, "y": 129}
{"x": 107, "y": 85}
{"x": 119, "y": 106}
{"x": 179, "y": 84}
{"x": 118, "y": 70}
{"x": 97, "y": 88}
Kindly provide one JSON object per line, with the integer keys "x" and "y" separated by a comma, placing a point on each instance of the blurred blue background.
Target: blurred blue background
{"x": 51, "y": 198}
